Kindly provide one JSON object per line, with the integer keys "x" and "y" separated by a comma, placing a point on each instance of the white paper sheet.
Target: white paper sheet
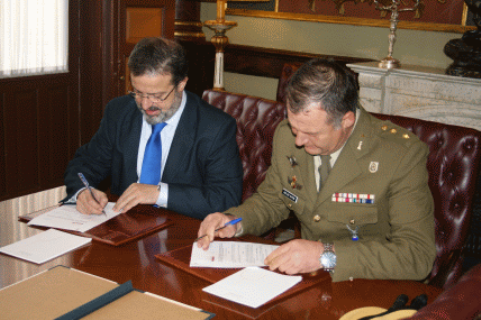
{"x": 252, "y": 286}
{"x": 230, "y": 254}
{"x": 68, "y": 218}
{"x": 45, "y": 246}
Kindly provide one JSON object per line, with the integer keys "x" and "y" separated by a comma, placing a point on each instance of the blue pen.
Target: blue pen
{"x": 87, "y": 185}
{"x": 232, "y": 222}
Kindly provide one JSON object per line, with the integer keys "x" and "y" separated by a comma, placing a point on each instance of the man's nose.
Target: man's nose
{"x": 146, "y": 103}
{"x": 301, "y": 139}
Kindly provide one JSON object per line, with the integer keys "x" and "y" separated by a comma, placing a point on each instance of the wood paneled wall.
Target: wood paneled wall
{"x": 40, "y": 132}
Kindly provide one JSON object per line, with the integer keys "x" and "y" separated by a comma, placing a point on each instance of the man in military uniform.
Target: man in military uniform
{"x": 358, "y": 185}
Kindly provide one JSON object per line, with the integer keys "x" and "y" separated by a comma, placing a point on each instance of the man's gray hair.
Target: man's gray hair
{"x": 325, "y": 82}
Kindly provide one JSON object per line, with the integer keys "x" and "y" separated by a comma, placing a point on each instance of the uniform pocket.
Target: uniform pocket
{"x": 353, "y": 214}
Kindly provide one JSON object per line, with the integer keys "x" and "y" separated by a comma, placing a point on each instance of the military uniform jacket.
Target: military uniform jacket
{"x": 379, "y": 160}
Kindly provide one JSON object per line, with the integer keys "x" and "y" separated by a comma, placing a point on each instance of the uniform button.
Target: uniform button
{"x": 317, "y": 218}
{"x": 352, "y": 221}
{"x": 289, "y": 205}
{"x": 393, "y": 130}
{"x": 405, "y": 136}
{"x": 384, "y": 128}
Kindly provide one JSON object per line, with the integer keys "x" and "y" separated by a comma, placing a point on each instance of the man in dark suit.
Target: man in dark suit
{"x": 358, "y": 185}
{"x": 192, "y": 166}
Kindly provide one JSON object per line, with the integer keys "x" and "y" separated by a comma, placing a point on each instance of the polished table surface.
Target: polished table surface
{"x": 136, "y": 261}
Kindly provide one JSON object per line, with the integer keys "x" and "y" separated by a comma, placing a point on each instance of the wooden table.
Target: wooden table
{"x": 136, "y": 261}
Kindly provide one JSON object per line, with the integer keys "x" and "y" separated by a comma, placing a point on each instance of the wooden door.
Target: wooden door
{"x": 138, "y": 19}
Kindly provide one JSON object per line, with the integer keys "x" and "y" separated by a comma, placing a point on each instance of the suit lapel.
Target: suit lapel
{"x": 182, "y": 141}
{"x": 347, "y": 167}
{"x": 132, "y": 145}
{"x": 306, "y": 168}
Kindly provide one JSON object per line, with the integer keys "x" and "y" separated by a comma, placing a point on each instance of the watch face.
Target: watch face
{"x": 328, "y": 260}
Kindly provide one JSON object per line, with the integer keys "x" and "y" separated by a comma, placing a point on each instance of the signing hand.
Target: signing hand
{"x": 296, "y": 256}
{"x": 212, "y": 222}
{"x": 86, "y": 204}
{"x": 137, "y": 193}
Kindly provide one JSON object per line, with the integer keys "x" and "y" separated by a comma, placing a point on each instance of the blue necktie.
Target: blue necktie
{"x": 152, "y": 157}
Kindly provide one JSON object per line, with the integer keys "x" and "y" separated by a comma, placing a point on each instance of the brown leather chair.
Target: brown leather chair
{"x": 460, "y": 302}
{"x": 453, "y": 165}
{"x": 257, "y": 120}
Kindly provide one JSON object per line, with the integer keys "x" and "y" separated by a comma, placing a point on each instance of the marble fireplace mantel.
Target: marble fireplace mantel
{"x": 420, "y": 92}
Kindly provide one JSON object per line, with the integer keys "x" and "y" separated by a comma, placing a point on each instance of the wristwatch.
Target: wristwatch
{"x": 328, "y": 258}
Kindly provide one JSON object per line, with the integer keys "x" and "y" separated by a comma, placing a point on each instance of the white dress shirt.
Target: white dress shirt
{"x": 166, "y": 135}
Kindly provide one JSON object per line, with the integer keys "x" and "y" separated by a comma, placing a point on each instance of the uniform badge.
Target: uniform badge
{"x": 359, "y": 147}
{"x": 354, "y": 232}
{"x": 364, "y": 198}
{"x": 292, "y": 161}
{"x": 290, "y": 195}
{"x": 374, "y": 166}
{"x": 293, "y": 182}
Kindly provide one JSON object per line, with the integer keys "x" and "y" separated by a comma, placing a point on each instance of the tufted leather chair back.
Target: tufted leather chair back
{"x": 257, "y": 120}
{"x": 460, "y": 302}
{"x": 453, "y": 166}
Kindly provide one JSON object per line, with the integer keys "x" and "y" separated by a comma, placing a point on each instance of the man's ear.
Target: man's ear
{"x": 182, "y": 84}
{"x": 348, "y": 120}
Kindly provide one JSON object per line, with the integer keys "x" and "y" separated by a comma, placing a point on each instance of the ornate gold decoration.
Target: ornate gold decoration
{"x": 418, "y": 12}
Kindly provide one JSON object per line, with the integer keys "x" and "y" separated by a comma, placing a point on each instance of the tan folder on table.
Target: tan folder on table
{"x": 63, "y": 291}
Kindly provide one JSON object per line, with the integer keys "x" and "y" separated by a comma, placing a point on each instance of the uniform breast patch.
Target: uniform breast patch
{"x": 290, "y": 195}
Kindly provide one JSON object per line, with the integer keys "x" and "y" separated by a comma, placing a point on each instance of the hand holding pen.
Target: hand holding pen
{"x": 87, "y": 185}
{"x": 214, "y": 223}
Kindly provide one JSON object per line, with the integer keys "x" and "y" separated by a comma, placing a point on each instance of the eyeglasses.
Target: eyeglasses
{"x": 153, "y": 97}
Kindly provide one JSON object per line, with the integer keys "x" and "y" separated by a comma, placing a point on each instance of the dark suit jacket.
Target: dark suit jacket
{"x": 203, "y": 169}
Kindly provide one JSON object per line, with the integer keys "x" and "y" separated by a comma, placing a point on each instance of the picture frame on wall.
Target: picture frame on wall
{"x": 432, "y": 15}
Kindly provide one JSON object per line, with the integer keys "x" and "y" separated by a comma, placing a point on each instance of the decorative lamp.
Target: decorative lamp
{"x": 389, "y": 62}
{"x": 220, "y": 40}
{"x": 220, "y": 26}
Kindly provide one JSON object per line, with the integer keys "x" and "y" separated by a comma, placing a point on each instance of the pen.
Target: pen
{"x": 87, "y": 185}
{"x": 232, "y": 222}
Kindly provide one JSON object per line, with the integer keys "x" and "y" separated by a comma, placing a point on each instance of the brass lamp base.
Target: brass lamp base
{"x": 389, "y": 63}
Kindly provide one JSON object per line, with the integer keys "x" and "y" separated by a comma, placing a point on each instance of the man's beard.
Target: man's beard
{"x": 164, "y": 115}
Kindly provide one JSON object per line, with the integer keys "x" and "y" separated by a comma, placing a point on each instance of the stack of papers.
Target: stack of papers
{"x": 231, "y": 254}
{"x": 252, "y": 286}
{"x": 67, "y": 217}
{"x": 45, "y": 246}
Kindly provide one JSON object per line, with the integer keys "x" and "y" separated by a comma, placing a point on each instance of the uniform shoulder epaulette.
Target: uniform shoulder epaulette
{"x": 393, "y": 132}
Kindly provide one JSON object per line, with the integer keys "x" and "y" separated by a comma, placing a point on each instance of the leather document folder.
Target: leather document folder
{"x": 180, "y": 258}
{"x": 134, "y": 224}
{"x": 65, "y": 293}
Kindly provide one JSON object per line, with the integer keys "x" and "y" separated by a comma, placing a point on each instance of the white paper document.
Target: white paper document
{"x": 45, "y": 246}
{"x": 253, "y": 286}
{"x": 67, "y": 217}
{"x": 231, "y": 254}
